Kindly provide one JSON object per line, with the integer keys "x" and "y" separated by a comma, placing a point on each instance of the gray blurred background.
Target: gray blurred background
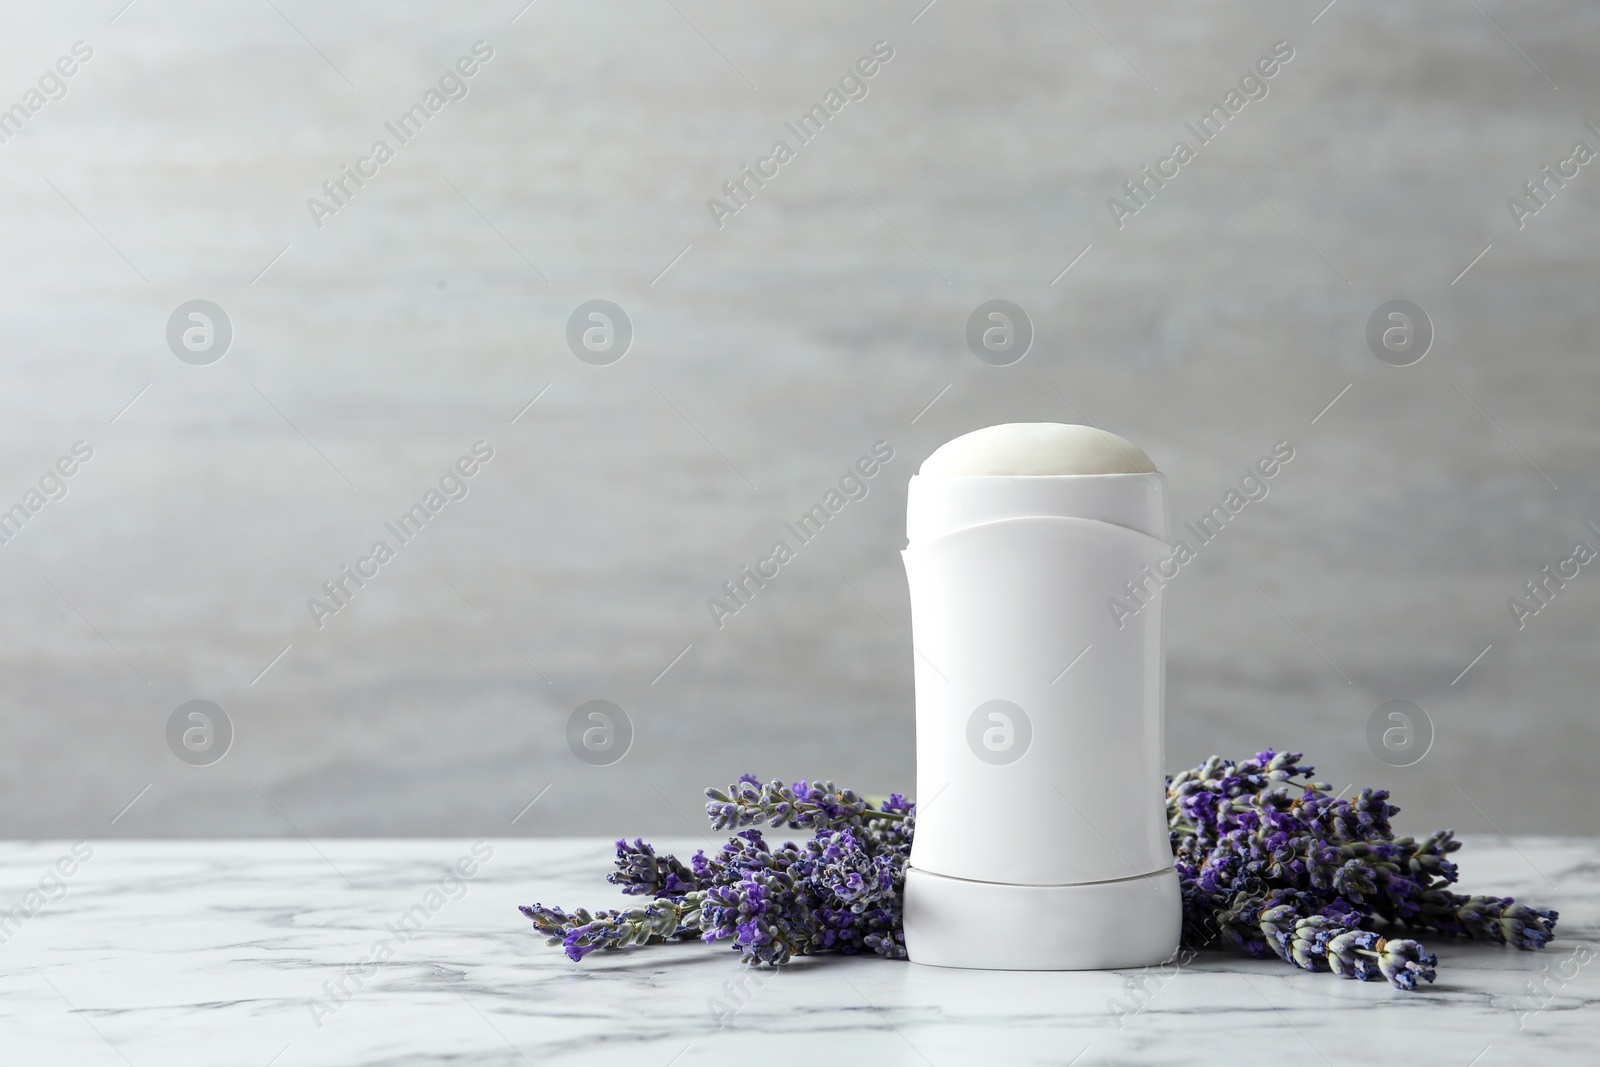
{"x": 372, "y": 352}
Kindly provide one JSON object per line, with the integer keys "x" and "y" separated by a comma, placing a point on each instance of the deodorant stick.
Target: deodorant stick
{"x": 1041, "y": 839}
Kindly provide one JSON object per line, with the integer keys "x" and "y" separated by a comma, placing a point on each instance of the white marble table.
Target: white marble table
{"x": 215, "y": 953}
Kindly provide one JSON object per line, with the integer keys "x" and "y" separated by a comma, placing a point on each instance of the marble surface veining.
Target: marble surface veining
{"x": 225, "y": 952}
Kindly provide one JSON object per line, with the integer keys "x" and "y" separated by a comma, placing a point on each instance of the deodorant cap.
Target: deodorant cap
{"x": 1036, "y": 468}
{"x": 1037, "y": 448}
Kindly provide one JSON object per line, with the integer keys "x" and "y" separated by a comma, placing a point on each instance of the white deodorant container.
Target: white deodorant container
{"x": 1041, "y": 840}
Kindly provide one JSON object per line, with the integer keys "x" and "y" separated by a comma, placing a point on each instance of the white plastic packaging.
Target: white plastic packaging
{"x": 1041, "y": 839}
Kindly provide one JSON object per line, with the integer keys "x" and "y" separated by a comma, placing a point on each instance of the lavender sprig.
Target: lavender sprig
{"x": 580, "y": 933}
{"x": 1498, "y": 919}
{"x": 1317, "y": 943}
{"x": 803, "y": 805}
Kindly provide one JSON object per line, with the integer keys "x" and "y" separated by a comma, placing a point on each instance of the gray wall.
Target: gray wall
{"x": 824, "y": 316}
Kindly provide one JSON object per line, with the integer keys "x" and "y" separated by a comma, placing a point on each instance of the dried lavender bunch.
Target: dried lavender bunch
{"x": 839, "y": 892}
{"x": 1268, "y": 863}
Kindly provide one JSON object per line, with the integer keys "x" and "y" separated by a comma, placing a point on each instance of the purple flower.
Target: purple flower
{"x": 1403, "y": 962}
{"x": 1352, "y": 954}
{"x": 640, "y": 871}
{"x": 1269, "y": 864}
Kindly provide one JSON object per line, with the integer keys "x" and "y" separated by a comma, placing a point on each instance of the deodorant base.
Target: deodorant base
{"x": 954, "y": 922}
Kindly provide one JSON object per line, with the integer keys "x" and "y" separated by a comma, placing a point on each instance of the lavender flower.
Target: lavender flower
{"x": 1498, "y": 919}
{"x": 1403, "y": 962}
{"x": 1269, "y": 864}
{"x": 640, "y": 871}
{"x": 832, "y": 894}
{"x": 803, "y": 805}
{"x": 580, "y": 933}
{"x": 1353, "y": 954}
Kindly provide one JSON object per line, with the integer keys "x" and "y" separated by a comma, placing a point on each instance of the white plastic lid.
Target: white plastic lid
{"x": 1037, "y": 448}
{"x": 937, "y": 505}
